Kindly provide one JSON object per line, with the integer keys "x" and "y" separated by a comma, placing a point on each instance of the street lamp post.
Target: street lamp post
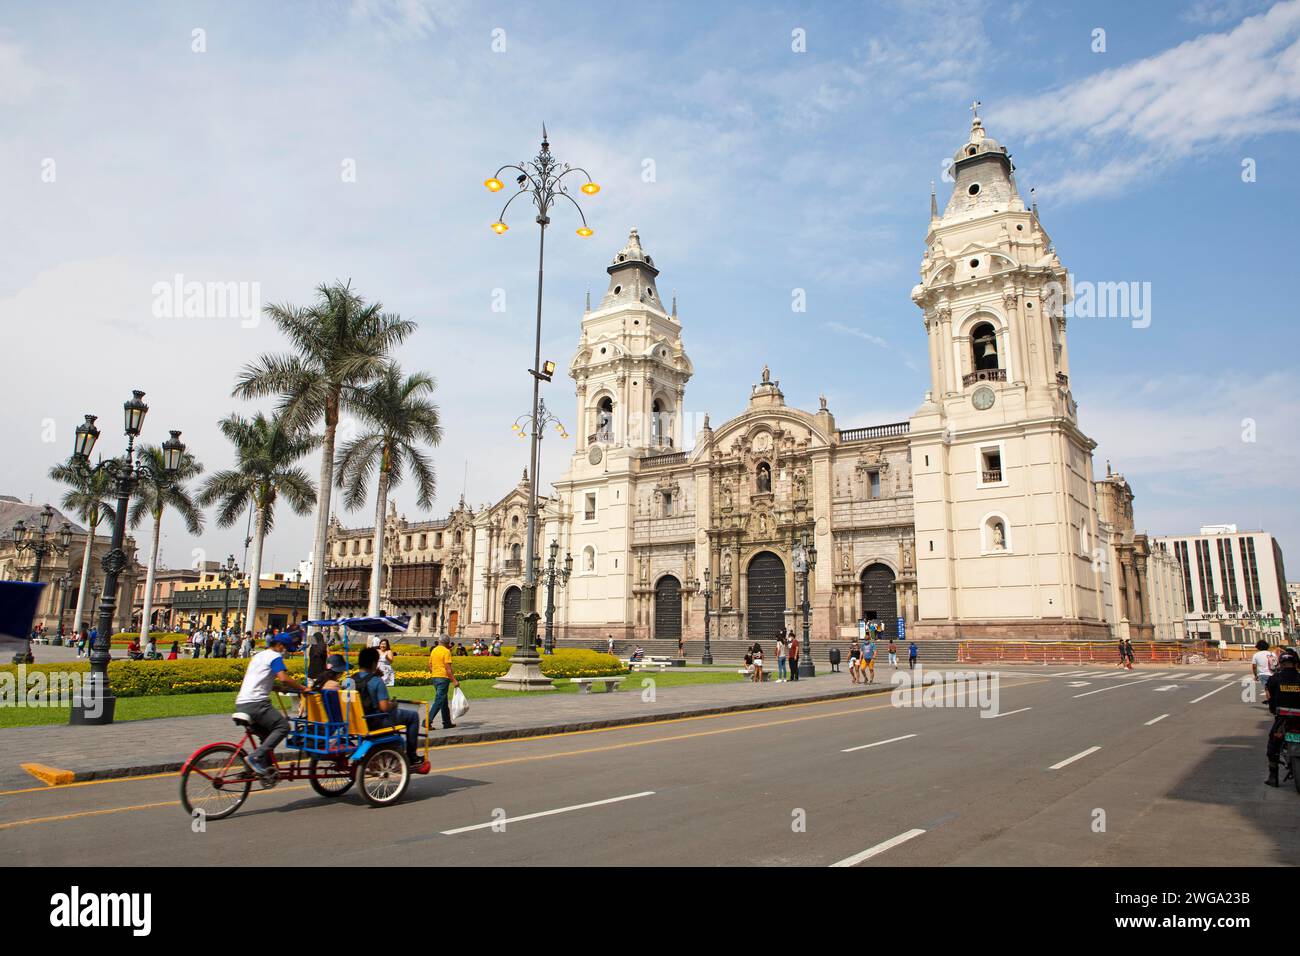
{"x": 39, "y": 545}
{"x": 554, "y": 575}
{"x": 65, "y": 582}
{"x": 96, "y": 704}
{"x": 805, "y": 561}
{"x": 543, "y": 180}
{"x": 226, "y": 573}
{"x": 444, "y": 595}
{"x": 708, "y": 607}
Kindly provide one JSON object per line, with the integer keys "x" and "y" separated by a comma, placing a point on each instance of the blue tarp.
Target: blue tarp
{"x": 366, "y": 625}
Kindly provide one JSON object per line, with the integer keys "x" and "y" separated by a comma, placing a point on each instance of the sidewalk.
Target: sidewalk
{"x": 159, "y": 746}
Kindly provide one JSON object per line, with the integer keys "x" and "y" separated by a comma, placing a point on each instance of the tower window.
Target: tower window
{"x": 974, "y": 189}
{"x": 984, "y": 347}
{"x": 618, "y": 289}
{"x": 974, "y": 263}
{"x": 991, "y": 465}
{"x": 589, "y": 507}
{"x": 605, "y": 419}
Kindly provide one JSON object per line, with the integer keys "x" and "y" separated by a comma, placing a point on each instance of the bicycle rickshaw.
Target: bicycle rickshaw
{"x": 333, "y": 749}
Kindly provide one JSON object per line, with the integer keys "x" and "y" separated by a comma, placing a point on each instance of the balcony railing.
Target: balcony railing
{"x": 991, "y": 475}
{"x": 874, "y": 431}
{"x": 513, "y": 566}
{"x": 985, "y": 375}
{"x": 669, "y": 458}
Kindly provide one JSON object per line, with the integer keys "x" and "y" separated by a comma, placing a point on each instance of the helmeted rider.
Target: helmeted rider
{"x": 1283, "y": 694}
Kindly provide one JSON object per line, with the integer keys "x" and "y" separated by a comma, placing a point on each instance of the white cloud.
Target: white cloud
{"x": 408, "y": 17}
{"x": 18, "y": 78}
{"x": 1218, "y": 88}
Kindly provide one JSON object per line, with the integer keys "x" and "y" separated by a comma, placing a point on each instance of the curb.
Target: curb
{"x": 510, "y": 733}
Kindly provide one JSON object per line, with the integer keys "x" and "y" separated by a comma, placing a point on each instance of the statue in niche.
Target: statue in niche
{"x": 726, "y": 566}
{"x": 726, "y": 594}
{"x": 907, "y": 557}
{"x": 764, "y": 478}
{"x": 767, "y": 375}
{"x": 999, "y": 537}
{"x": 844, "y": 561}
{"x": 799, "y": 484}
{"x": 762, "y": 524}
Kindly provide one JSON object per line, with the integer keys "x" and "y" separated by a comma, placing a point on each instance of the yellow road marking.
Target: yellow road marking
{"x": 95, "y": 813}
{"x": 50, "y": 776}
{"x": 88, "y": 783}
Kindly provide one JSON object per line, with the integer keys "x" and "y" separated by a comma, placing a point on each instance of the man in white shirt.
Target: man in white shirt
{"x": 264, "y": 670}
{"x": 1262, "y": 665}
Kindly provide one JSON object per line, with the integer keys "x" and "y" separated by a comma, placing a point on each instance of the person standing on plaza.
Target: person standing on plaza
{"x": 758, "y": 663}
{"x": 1262, "y": 665}
{"x": 893, "y": 653}
{"x": 795, "y": 649}
{"x": 911, "y": 656}
{"x": 855, "y": 659}
{"x": 782, "y": 650}
{"x": 869, "y": 658}
{"x": 443, "y": 677}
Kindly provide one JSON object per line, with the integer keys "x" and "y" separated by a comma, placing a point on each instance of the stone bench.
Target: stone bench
{"x": 584, "y": 683}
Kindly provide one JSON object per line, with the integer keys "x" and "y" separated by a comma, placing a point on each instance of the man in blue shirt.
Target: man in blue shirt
{"x": 381, "y": 711}
{"x": 265, "y": 670}
{"x": 869, "y": 658}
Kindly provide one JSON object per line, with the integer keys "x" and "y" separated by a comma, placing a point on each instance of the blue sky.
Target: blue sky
{"x": 774, "y": 170}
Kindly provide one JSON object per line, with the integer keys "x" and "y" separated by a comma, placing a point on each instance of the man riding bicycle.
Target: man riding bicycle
{"x": 264, "y": 670}
{"x": 1283, "y": 695}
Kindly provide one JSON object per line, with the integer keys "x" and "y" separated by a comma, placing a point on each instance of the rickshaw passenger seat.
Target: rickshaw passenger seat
{"x": 351, "y": 699}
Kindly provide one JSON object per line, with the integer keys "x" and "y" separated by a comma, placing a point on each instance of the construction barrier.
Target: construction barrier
{"x": 1086, "y": 652}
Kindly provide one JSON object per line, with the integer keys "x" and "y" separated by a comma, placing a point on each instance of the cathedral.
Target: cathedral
{"x": 977, "y": 518}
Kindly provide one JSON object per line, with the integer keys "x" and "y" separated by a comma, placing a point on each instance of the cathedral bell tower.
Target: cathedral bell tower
{"x": 630, "y": 368}
{"x": 1005, "y": 506}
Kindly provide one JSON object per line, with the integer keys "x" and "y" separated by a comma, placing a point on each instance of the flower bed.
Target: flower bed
{"x": 185, "y": 676}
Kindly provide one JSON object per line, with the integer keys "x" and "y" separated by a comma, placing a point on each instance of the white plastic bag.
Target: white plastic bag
{"x": 459, "y": 704}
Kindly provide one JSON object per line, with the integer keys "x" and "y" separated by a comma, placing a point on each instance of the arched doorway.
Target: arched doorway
{"x": 878, "y": 600}
{"x": 668, "y": 608}
{"x": 766, "y": 604}
{"x": 510, "y": 614}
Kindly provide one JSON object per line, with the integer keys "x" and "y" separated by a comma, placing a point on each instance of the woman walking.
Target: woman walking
{"x": 781, "y": 650}
{"x": 758, "y": 663}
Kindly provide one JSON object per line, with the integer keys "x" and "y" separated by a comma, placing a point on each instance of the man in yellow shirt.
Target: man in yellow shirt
{"x": 443, "y": 677}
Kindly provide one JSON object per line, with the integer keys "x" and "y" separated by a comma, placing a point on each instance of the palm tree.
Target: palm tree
{"x": 265, "y": 450}
{"x": 341, "y": 343}
{"x": 90, "y": 497}
{"x": 157, "y": 490}
{"x": 399, "y": 417}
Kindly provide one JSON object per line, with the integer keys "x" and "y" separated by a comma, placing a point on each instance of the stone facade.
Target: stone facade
{"x": 18, "y": 566}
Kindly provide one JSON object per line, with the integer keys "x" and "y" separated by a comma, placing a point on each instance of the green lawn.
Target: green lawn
{"x": 223, "y": 702}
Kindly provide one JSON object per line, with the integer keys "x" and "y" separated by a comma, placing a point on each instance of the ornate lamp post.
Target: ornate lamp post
{"x": 444, "y": 595}
{"x": 543, "y": 180}
{"x": 225, "y": 574}
{"x": 64, "y": 582}
{"x": 554, "y": 575}
{"x": 96, "y": 704}
{"x": 708, "y": 608}
{"x": 39, "y": 544}
{"x": 805, "y": 561}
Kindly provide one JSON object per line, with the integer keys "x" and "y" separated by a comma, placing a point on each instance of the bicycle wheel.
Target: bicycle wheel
{"x": 216, "y": 782}
{"x": 383, "y": 775}
{"x": 338, "y": 780}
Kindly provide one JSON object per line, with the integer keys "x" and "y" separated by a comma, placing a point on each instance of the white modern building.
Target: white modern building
{"x": 1233, "y": 576}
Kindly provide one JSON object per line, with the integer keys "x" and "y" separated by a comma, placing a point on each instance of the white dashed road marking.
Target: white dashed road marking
{"x": 1211, "y": 693}
{"x": 1069, "y": 760}
{"x": 878, "y": 743}
{"x": 548, "y": 813}
{"x": 1113, "y": 687}
{"x": 1156, "y": 720}
{"x": 879, "y": 848}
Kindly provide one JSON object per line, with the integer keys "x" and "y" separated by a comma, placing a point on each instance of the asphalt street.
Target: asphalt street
{"x": 1084, "y": 766}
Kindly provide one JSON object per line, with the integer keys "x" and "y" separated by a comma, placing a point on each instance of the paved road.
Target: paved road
{"x": 1175, "y": 764}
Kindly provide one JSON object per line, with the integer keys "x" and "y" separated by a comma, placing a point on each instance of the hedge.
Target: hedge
{"x": 185, "y": 676}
